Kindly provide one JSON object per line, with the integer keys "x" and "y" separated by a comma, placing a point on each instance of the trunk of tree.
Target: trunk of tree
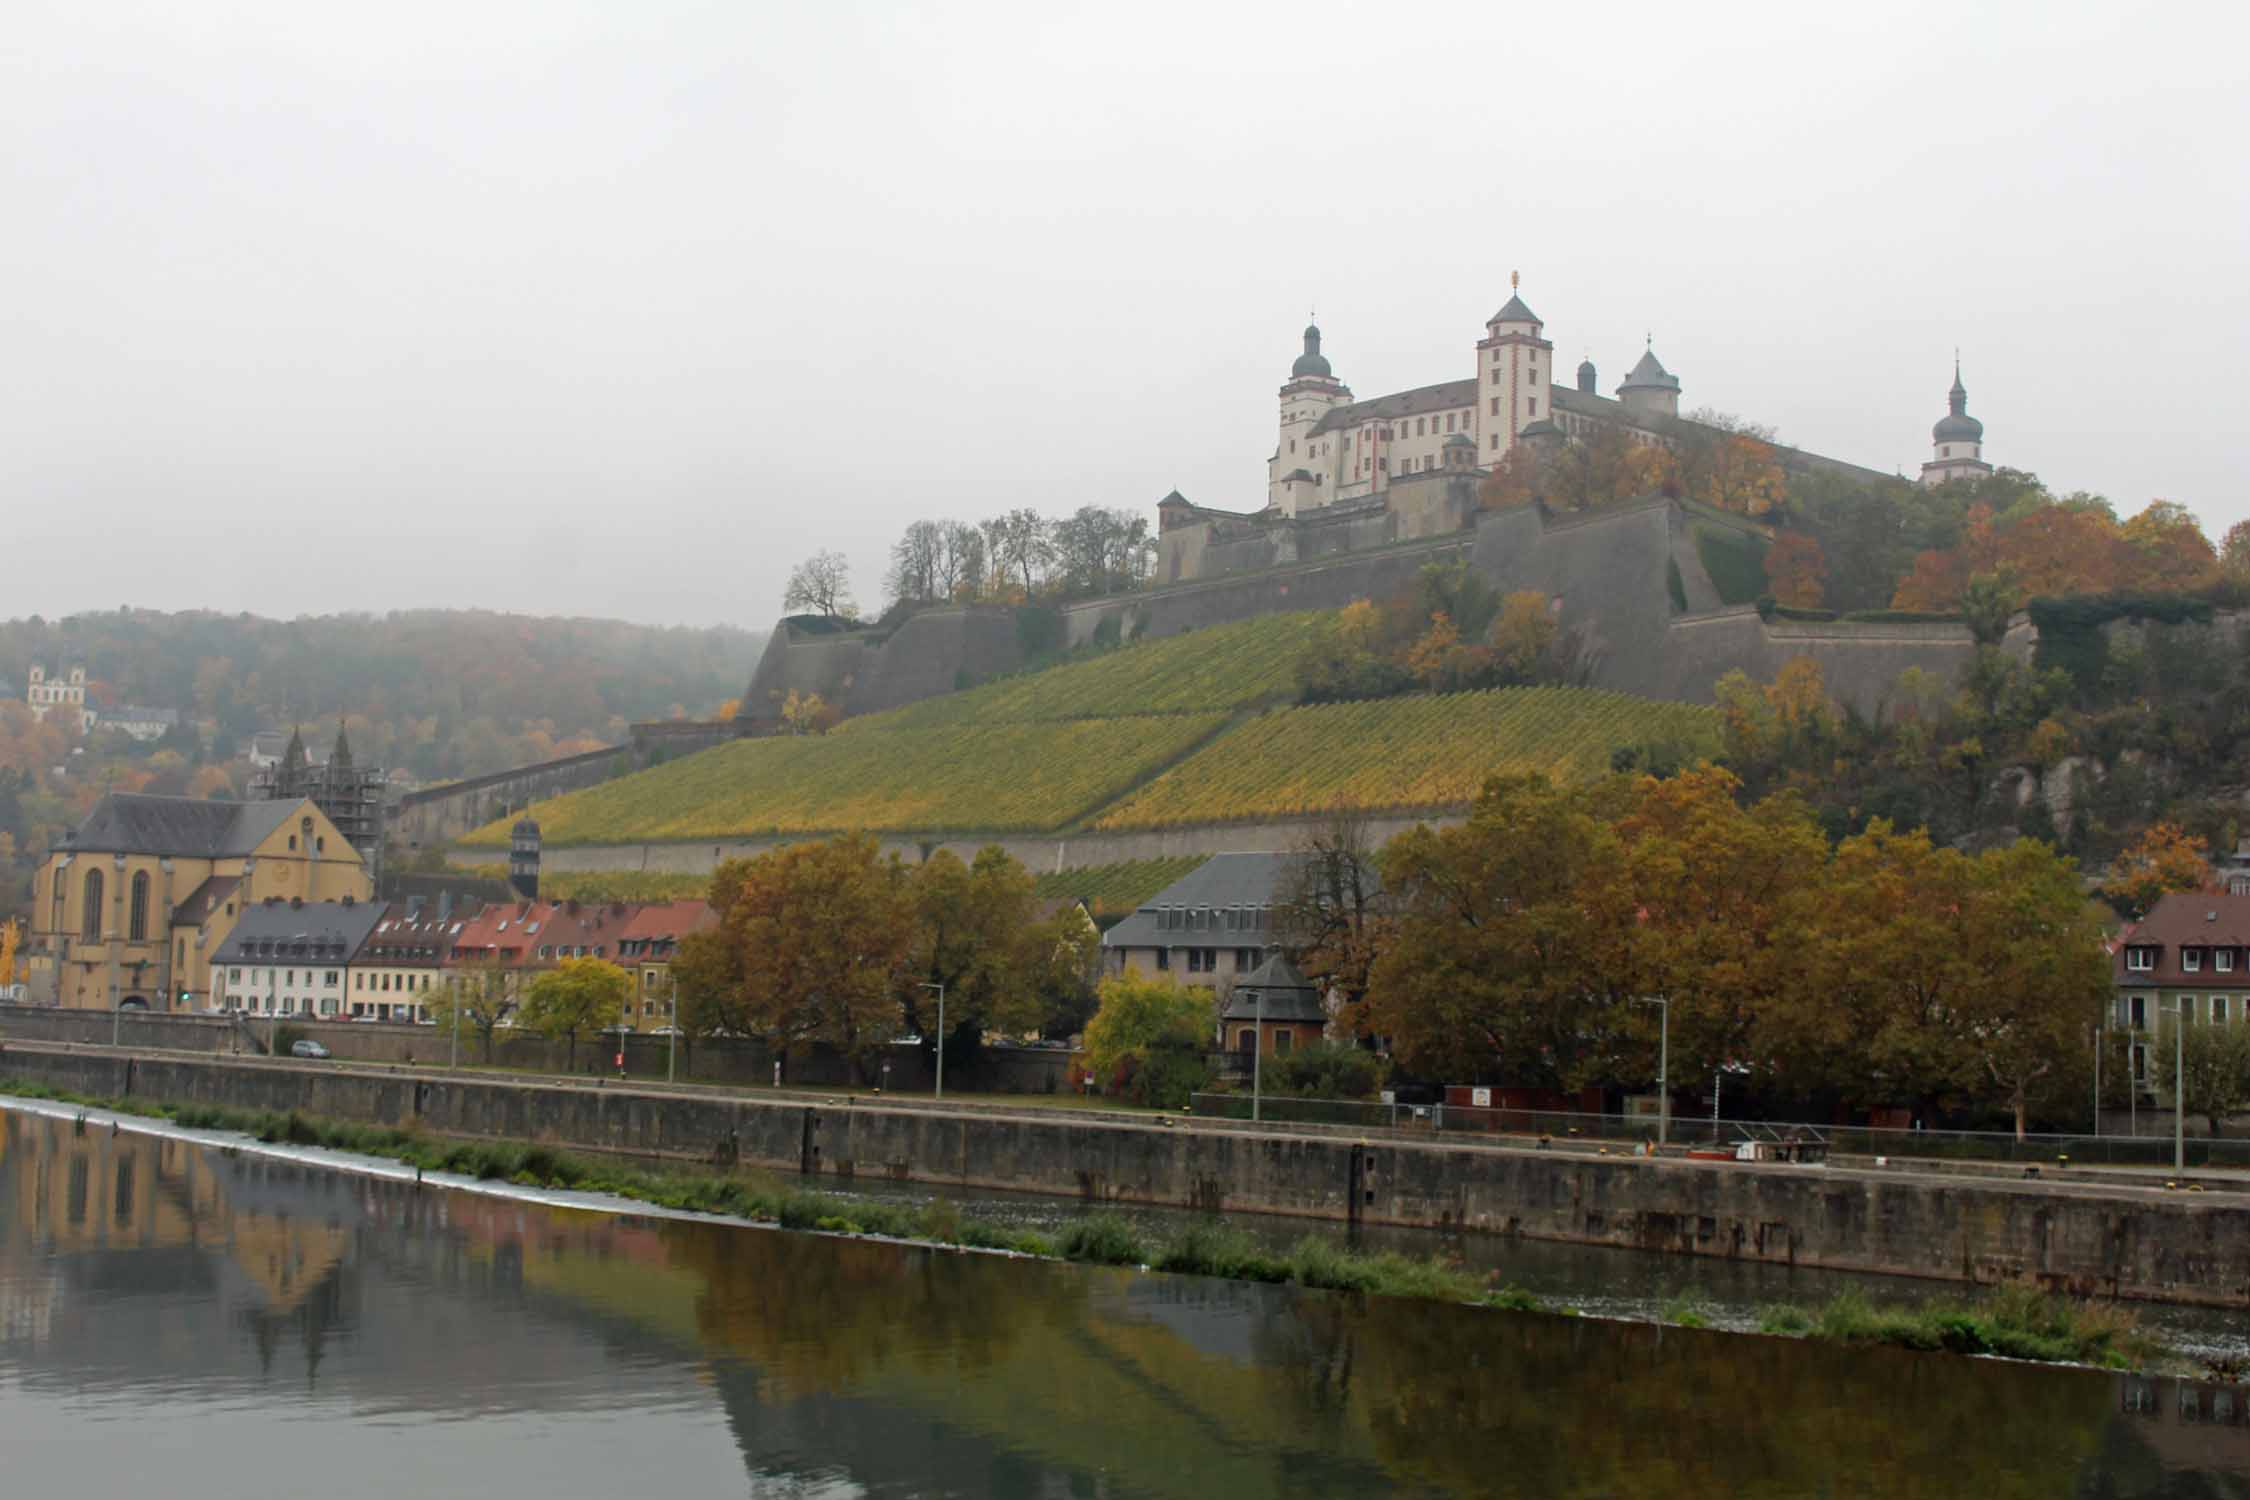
{"x": 2022, "y": 1108}
{"x": 488, "y": 1046}
{"x": 570, "y": 1052}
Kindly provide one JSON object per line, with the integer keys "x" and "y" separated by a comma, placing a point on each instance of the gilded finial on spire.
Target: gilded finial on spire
{"x": 1515, "y": 280}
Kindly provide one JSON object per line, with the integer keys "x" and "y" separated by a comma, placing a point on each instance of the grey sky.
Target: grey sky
{"x": 619, "y": 309}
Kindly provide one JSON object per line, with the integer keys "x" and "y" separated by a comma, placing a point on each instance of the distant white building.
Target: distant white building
{"x": 45, "y": 694}
{"x": 141, "y": 723}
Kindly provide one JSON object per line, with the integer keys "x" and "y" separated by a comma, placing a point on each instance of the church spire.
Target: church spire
{"x": 340, "y": 758}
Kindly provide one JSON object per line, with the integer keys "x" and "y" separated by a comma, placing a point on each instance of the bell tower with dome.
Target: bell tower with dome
{"x": 1301, "y": 474}
{"x": 1957, "y": 441}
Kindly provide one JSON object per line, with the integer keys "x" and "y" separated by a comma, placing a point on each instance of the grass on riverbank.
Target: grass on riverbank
{"x": 2017, "y": 1322}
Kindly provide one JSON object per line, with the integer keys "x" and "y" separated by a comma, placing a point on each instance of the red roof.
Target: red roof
{"x": 2204, "y": 923}
{"x": 668, "y": 921}
{"x": 532, "y": 932}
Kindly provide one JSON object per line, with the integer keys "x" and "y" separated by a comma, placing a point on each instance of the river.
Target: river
{"x": 191, "y": 1319}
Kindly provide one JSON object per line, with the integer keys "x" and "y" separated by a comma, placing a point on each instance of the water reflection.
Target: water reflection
{"x": 269, "y": 1327}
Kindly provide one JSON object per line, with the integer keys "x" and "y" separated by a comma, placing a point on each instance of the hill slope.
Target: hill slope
{"x": 1154, "y": 735}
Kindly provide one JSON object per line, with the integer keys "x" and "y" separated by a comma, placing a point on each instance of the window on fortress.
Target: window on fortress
{"x": 1534, "y": 374}
{"x": 1382, "y": 466}
{"x": 1421, "y": 426}
{"x": 1449, "y": 421}
{"x": 1496, "y": 442}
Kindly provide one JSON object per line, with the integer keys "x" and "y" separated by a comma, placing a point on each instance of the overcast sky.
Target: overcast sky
{"x": 620, "y": 309}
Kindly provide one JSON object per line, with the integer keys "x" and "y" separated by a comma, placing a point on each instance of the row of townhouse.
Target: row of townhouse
{"x": 357, "y": 960}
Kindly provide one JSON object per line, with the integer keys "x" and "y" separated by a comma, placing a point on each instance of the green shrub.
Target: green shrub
{"x": 1326, "y": 1070}
{"x": 1104, "y": 1239}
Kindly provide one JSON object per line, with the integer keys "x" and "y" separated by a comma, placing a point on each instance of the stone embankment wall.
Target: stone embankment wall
{"x": 998, "y": 1070}
{"x": 2126, "y": 1242}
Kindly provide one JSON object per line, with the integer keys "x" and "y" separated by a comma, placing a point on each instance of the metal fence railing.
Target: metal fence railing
{"x": 2148, "y": 1149}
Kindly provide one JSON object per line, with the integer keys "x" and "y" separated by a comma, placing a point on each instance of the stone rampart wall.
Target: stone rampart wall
{"x": 2085, "y": 1238}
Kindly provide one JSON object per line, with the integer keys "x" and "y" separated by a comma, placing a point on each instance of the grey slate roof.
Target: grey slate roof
{"x": 1514, "y": 312}
{"x": 1274, "y": 991}
{"x": 134, "y": 823}
{"x": 1444, "y": 396}
{"x": 315, "y": 931}
{"x": 1648, "y": 372}
{"x": 1221, "y": 883}
{"x": 205, "y": 899}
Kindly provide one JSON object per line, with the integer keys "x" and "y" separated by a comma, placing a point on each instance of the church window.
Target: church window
{"x": 92, "y": 922}
{"x": 136, "y": 918}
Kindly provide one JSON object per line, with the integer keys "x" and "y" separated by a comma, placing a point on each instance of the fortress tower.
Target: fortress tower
{"x": 1297, "y": 476}
{"x": 1958, "y": 439}
{"x": 1515, "y": 377}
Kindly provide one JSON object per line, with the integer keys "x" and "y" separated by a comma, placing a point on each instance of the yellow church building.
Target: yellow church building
{"x": 128, "y": 909}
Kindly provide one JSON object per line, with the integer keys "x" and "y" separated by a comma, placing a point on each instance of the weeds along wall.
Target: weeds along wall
{"x": 2085, "y": 1239}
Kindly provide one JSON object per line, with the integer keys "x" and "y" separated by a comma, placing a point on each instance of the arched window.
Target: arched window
{"x": 91, "y": 921}
{"x": 136, "y": 918}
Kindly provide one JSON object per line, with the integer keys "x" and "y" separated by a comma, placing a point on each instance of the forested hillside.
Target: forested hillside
{"x": 439, "y": 693}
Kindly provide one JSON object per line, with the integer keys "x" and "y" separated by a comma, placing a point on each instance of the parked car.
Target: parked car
{"x": 308, "y": 1049}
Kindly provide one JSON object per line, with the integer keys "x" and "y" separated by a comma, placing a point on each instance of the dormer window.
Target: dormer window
{"x": 2191, "y": 960}
{"x": 2222, "y": 959}
{"x": 2140, "y": 960}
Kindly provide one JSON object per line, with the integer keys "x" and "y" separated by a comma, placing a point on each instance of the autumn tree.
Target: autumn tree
{"x": 2234, "y": 551}
{"x": 1515, "y": 481}
{"x": 2163, "y": 860}
{"x": 1331, "y": 910}
{"x": 2216, "y": 1063}
{"x": 979, "y": 933}
{"x": 821, "y": 584}
{"x": 578, "y": 997}
{"x": 1712, "y": 884}
{"x": 820, "y": 938}
{"x": 2167, "y": 549}
{"x": 2036, "y": 973}
{"x": 1503, "y": 965}
{"x": 1796, "y": 571}
{"x": 1151, "y": 1038}
{"x": 808, "y": 713}
{"x": 476, "y": 997}
{"x": 1523, "y": 637}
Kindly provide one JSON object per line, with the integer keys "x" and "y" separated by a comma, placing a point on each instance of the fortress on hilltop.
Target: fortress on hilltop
{"x": 1362, "y": 494}
{"x": 1401, "y": 466}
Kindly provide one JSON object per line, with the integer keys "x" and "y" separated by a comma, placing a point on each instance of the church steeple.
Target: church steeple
{"x": 340, "y": 758}
{"x": 1957, "y": 441}
{"x": 294, "y": 759}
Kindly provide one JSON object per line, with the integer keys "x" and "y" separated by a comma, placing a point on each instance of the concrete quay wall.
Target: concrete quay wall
{"x": 2085, "y": 1238}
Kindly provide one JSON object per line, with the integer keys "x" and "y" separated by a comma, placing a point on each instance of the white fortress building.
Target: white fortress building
{"x": 1333, "y": 448}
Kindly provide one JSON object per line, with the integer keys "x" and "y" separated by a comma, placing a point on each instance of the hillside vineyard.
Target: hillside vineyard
{"x": 1155, "y": 735}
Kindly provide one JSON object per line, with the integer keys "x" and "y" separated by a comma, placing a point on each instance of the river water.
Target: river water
{"x": 193, "y": 1320}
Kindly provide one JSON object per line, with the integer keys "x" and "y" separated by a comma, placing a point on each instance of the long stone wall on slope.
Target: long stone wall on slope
{"x": 2128, "y": 1242}
{"x": 1038, "y": 852}
{"x": 1608, "y": 571}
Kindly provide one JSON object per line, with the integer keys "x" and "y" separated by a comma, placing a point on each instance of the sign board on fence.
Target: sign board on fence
{"x": 1390, "y": 1096}
{"x": 1481, "y": 1098}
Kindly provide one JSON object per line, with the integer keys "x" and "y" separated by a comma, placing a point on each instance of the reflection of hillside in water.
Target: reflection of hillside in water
{"x": 133, "y": 1262}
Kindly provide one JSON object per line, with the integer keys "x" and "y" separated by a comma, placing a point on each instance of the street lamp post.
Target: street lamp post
{"x": 1663, "y": 1004}
{"x": 2177, "y": 1010}
{"x": 1258, "y": 1054}
{"x": 940, "y": 1035}
{"x": 672, "y": 1052}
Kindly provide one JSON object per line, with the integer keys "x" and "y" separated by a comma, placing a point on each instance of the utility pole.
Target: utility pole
{"x": 940, "y": 1035}
{"x": 1663, "y": 1004}
{"x": 1258, "y": 1056}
